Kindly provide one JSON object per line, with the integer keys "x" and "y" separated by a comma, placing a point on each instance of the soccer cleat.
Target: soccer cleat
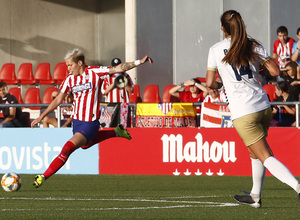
{"x": 248, "y": 200}
{"x": 38, "y": 180}
{"x": 121, "y": 132}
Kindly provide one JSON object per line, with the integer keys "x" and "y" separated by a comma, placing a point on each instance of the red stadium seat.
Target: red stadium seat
{"x": 32, "y": 96}
{"x": 43, "y": 74}
{"x": 25, "y": 74}
{"x": 47, "y": 99}
{"x": 135, "y": 97}
{"x": 60, "y": 72}
{"x": 270, "y": 90}
{"x": 8, "y": 74}
{"x": 167, "y": 97}
{"x": 151, "y": 94}
{"x": 16, "y": 91}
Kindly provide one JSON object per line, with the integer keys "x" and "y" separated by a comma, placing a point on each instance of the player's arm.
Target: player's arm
{"x": 275, "y": 57}
{"x": 122, "y": 67}
{"x": 272, "y": 67}
{"x": 53, "y": 105}
{"x": 210, "y": 79}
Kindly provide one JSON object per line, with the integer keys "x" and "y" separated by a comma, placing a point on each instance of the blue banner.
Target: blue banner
{"x": 31, "y": 150}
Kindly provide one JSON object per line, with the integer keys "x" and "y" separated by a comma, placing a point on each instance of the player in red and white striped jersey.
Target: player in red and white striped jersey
{"x": 84, "y": 82}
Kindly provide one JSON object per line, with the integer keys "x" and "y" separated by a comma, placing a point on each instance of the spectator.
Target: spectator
{"x": 292, "y": 78}
{"x": 284, "y": 114}
{"x": 111, "y": 92}
{"x": 12, "y": 115}
{"x": 67, "y": 111}
{"x": 214, "y": 95}
{"x": 282, "y": 48}
{"x": 296, "y": 49}
{"x": 50, "y": 119}
{"x": 196, "y": 93}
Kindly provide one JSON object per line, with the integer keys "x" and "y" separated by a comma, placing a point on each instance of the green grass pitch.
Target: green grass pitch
{"x": 145, "y": 197}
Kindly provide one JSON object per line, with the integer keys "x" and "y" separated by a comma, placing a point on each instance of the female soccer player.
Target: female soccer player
{"x": 237, "y": 58}
{"x": 84, "y": 82}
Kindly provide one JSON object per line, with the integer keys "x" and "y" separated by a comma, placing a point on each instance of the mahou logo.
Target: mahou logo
{"x": 196, "y": 151}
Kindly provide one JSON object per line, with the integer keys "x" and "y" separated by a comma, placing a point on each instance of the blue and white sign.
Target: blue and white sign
{"x": 31, "y": 150}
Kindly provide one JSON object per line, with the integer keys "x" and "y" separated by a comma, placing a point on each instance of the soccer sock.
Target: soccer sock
{"x": 101, "y": 136}
{"x": 258, "y": 176}
{"x": 280, "y": 171}
{"x": 60, "y": 160}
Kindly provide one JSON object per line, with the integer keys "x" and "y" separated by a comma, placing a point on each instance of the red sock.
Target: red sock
{"x": 60, "y": 160}
{"x": 101, "y": 136}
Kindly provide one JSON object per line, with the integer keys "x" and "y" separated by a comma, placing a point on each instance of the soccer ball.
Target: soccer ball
{"x": 11, "y": 182}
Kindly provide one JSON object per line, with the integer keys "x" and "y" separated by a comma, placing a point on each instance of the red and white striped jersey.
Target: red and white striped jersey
{"x": 281, "y": 50}
{"x": 86, "y": 91}
{"x": 116, "y": 94}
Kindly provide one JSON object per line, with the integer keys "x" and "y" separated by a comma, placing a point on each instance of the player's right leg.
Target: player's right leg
{"x": 103, "y": 135}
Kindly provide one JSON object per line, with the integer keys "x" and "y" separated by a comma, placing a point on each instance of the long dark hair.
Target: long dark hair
{"x": 241, "y": 49}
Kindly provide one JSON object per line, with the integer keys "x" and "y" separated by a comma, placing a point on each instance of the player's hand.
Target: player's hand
{"x": 146, "y": 59}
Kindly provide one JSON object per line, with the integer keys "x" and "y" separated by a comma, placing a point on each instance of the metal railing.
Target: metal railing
{"x": 133, "y": 106}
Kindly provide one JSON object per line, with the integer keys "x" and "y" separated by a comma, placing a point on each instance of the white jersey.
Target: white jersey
{"x": 243, "y": 91}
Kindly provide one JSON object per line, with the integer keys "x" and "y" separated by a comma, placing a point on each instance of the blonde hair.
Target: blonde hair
{"x": 75, "y": 55}
{"x": 241, "y": 49}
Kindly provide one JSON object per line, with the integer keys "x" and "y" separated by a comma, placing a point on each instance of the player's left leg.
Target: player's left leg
{"x": 77, "y": 140}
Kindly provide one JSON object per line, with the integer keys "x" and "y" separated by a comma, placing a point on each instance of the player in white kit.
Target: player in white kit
{"x": 238, "y": 58}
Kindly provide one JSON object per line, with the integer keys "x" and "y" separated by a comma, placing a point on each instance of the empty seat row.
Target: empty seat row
{"x": 25, "y": 75}
{"x": 32, "y": 95}
{"x": 151, "y": 94}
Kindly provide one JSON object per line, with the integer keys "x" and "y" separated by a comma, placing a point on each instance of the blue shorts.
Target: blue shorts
{"x": 88, "y": 129}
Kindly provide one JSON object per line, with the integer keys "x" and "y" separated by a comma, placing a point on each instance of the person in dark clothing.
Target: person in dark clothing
{"x": 12, "y": 115}
{"x": 284, "y": 114}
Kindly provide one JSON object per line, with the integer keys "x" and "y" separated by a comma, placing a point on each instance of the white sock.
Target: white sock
{"x": 280, "y": 171}
{"x": 258, "y": 176}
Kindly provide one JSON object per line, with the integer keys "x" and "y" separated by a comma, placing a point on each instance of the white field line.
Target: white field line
{"x": 196, "y": 204}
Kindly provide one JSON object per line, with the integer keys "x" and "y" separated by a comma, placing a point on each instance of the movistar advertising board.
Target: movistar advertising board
{"x": 31, "y": 150}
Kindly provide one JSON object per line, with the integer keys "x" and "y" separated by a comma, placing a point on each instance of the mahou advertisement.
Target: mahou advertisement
{"x": 192, "y": 151}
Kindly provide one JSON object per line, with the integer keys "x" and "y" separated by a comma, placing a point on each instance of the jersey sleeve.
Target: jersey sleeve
{"x": 101, "y": 71}
{"x": 263, "y": 55}
{"x": 211, "y": 61}
{"x": 65, "y": 85}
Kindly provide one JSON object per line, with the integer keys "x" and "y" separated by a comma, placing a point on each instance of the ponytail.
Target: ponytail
{"x": 241, "y": 48}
